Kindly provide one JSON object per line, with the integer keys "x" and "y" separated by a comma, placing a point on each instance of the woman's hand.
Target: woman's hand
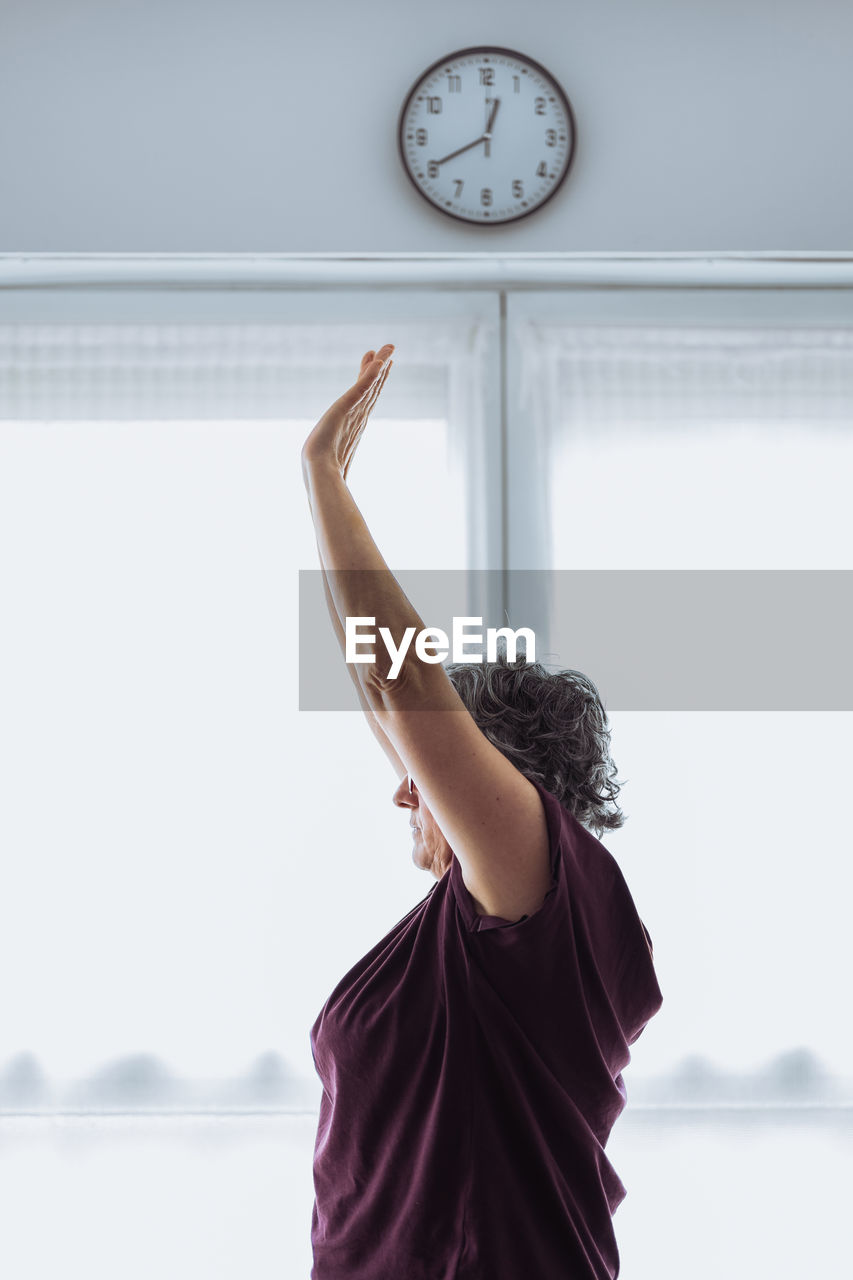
{"x": 335, "y": 438}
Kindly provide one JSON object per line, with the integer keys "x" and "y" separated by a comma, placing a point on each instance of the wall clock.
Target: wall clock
{"x": 487, "y": 135}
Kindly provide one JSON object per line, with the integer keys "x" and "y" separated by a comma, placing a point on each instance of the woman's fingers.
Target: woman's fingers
{"x": 371, "y": 379}
{"x": 369, "y": 371}
{"x": 369, "y": 385}
{"x": 372, "y": 393}
{"x": 380, "y": 381}
{"x": 379, "y": 356}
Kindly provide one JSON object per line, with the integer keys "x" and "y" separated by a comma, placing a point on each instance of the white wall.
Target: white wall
{"x": 266, "y": 125}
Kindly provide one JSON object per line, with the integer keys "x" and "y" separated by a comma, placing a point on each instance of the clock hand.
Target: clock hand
{"x": 488, "y": 134}
{"x": 496, "y": 103}
{"x": 467, "y": 147}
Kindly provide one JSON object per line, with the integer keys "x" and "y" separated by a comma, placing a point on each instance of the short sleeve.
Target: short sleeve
{"x": 585, "y": 942}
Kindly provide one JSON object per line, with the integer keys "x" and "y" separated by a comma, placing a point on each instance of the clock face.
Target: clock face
{"x": 487, "y": 135}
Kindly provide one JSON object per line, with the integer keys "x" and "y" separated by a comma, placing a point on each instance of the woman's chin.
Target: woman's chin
{"x": 419, "y": 857}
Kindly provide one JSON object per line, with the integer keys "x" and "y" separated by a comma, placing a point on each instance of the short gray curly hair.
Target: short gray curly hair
{"x": 552, "y": 726}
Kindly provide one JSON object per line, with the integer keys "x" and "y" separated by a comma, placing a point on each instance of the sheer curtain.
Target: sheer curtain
{"x": 161, "y": 371}
{"x": 648, "y": 410}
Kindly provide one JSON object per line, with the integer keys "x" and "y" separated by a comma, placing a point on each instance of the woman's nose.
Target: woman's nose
{"x": 403, "y": 797}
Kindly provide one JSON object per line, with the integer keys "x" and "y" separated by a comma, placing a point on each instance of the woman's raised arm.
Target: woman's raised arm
{"x": 489, "y": 813}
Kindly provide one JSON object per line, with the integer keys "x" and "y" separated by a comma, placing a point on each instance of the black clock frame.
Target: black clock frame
{"x": 487, "y": 49}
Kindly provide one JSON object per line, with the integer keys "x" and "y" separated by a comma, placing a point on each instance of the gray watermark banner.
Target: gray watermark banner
{"x": 650, "y": 640}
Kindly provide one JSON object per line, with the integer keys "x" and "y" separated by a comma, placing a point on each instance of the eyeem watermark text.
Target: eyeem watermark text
{"x": 433, "y": 644}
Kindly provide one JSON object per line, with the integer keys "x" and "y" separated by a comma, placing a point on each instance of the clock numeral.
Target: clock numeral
{"x": 550, "y": 137}
{"x": 459, "y": 184}
{"x": 542, "y": 170}
{"x": 487, "y": 75}
{"x": 517, "y": 188}
{"x": 486, "y": 195}
{"x": 432, "y": 169}
{"x": 421, "y": 136}
{"x": 516, "y": 84}
{"x": 434, "y": 106}
{"x": 539, "y": 106}
{"x": 454, "y": 84}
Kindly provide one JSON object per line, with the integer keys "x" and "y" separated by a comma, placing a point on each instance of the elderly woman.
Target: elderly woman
{"x": 471, "y": 1061}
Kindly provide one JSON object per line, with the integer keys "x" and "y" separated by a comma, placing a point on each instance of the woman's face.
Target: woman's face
{"x": 430, "y": 850}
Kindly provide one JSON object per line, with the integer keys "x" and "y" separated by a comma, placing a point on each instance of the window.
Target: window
{"x": 181, "y": 844}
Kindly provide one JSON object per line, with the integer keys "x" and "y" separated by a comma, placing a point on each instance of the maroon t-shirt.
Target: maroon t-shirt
{"x": 471, "y": 1072}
